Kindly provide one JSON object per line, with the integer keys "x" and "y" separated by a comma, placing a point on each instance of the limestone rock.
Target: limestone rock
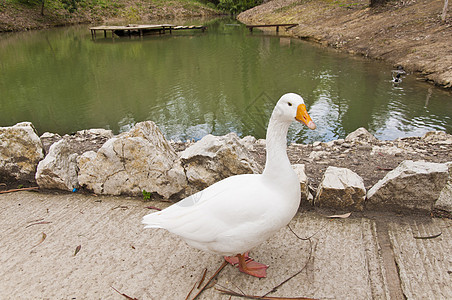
{"x": 301, "y": 173}
{"x": 341, "y": 188}
{"x": 20, "y": 152}
{"x": 412, "y": 185}
{"x": 438, "y": 137}
{"x": 48, "y": 139}
{"x": 216, "y": 157}
{"x": 444, "y": 202}
{"x": 59, "y": 169}
{"x": 141, "y": 159}
{"x": 360, "y": 135}
{"x": 249, "y": 142}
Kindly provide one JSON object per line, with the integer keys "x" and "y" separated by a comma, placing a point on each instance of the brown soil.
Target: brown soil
{"x": 406, "y": 33}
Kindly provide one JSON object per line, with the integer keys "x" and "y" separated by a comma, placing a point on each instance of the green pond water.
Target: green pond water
{"x": 192, "y": 83}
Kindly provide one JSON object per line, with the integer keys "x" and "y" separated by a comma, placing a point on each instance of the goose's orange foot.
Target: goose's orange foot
{"x": 247, "y": 265}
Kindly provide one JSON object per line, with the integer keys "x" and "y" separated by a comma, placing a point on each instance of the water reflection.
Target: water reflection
{"x": 194, "y": 83}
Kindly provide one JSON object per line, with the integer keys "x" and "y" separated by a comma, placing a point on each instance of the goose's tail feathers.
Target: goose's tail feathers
{"x": 152, "y": 221}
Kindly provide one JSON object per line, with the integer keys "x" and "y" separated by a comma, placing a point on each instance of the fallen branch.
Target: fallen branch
{"x": 19, "y": 190}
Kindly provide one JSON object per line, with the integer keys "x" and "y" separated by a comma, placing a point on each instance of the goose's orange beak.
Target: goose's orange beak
{"x": 303, "y": 116}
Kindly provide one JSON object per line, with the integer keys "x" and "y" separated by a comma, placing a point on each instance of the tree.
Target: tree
{"x": 443, "y": 15}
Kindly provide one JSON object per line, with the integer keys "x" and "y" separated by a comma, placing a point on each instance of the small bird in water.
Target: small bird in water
{"x": 397, "y": 78}
{"x": 397, "y": 74}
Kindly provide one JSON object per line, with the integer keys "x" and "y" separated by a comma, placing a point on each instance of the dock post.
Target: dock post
{"x": 277, "y": 28}
{"x": 105, "y": 33}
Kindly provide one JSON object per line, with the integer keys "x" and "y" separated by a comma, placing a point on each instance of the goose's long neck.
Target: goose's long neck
{"x": 277, "y": 163}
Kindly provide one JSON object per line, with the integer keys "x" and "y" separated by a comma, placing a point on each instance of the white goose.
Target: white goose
{"x": 240, "y": 212}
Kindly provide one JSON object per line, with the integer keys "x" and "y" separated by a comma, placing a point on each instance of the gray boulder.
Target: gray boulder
{"x": 216, "y": 157}
{"x": 437, "y": 137}
{"x": 299, "y": 169}
{"x": 444, "y": 202}
{"x": 361, "y": 135}
{"x": 141, "y": 159}
{"x": 412, "y": 185}
{"x": 20, "y": 152}
{"x": 48, "y": 139}
{"x": 341, "y": 188}
{"x": 59, "y": 169}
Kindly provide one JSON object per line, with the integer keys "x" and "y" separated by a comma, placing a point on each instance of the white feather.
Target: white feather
{"x": 240, "y": 212}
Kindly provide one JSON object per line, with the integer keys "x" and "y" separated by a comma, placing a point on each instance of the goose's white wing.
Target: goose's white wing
{"x": 220, "y": 210}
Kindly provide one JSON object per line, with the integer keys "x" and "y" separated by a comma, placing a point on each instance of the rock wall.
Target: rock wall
{"x": 143, "y": 160}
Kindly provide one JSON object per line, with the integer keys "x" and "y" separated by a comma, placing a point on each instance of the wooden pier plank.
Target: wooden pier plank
{"x": 140, "y": 29}
{"x": 287, "y": 25}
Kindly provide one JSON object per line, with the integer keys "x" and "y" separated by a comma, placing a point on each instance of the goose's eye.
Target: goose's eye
{"x": 290, "y": 104}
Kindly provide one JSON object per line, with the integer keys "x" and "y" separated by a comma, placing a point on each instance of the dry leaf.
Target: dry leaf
{"x": 121, "y": 207}
{"x": 344, "y": 216}
{"x": 77, "y": 249}
{"x": 427, "y": 237}
{"x": 153, "y": 207}
{"x": 43, "y": 237}
{"x": 38, "y": 223}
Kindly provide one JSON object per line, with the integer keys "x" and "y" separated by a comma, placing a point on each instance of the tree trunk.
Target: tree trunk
{"x": 42, "y": 7}
{"x": 443, "y": 15}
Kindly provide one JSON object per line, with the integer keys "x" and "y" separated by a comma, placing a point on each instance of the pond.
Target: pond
{"x": 193, "y": 83}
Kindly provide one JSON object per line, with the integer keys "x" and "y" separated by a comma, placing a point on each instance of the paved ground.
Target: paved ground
{"x": 361, "y": 257}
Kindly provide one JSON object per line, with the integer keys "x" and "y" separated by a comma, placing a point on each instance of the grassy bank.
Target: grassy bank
{"x": 411, "y": 34}
{"x": 19, "y": 15}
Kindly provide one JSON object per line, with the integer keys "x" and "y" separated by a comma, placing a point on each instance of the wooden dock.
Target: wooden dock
{"x": 286, "y": 26}
{"x": 140, "y": 30}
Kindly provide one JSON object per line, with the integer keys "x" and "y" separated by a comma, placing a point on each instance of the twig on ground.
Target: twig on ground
{"x": 189, "y": 293}
{"x": 124, "y": 295}
{"x": 304, "y": 267}
{"x": 202, "y": 278}
{"x": 211, "y": 279}
{"x": 21, "y": 189}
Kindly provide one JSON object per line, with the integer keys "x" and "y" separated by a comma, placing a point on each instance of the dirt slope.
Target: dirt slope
{"x": 407, "y": 33}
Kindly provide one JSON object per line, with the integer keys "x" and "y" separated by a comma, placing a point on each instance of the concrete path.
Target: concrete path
{"x": 361, "y": 257}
